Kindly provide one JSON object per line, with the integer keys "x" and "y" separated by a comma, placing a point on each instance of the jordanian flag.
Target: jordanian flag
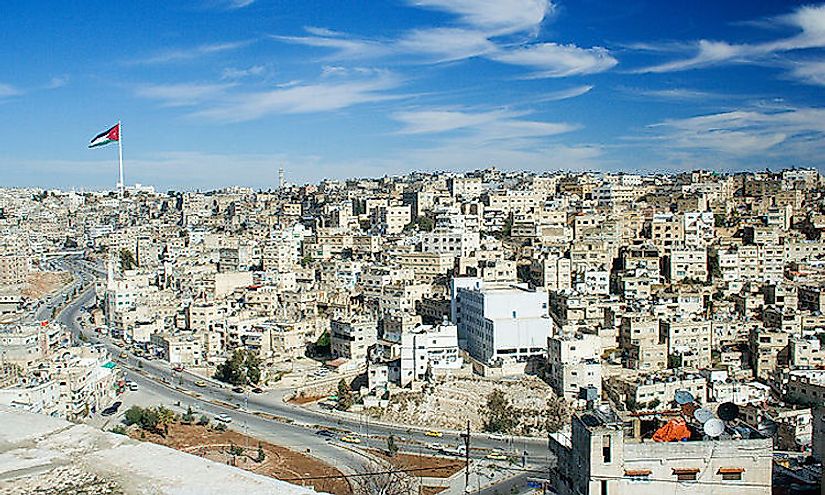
{"x": 106, "y": 137}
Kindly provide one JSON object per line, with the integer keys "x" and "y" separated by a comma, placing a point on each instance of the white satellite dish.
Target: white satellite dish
{"x": 703, "y": 415}
{"x": 714, "y": 427}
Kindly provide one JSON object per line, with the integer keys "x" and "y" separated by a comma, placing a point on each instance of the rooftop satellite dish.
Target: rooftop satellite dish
{"x": 728, "y": 411}
{"x": 683, "y": 397}
{"x": 714, "y": 427}
{"x": 703, "y": 415}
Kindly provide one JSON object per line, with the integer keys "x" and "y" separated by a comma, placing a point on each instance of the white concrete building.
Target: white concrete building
{"x": 428, "y": 349}
{"x": 574, "y": 365}
{"x": 501, "y": 323}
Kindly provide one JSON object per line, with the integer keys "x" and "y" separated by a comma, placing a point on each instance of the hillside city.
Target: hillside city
{"x": 489, "y": 331}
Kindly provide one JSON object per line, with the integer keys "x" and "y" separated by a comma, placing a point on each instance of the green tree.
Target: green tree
{"x": 127, "y": 259}
{"x": 322, "y": 345}
{"x": 203, "y": 420}
{"x": 242, "y": 368}
{"x": 188, "y": 417}
{"x": 499, "y": 415}
{"x": 425, "y": 223}
{"x": 133, "y": 415}
{"x": 261, "y": 454}
{"x": 344, "y": 395}
{"x": 119, "y": 429}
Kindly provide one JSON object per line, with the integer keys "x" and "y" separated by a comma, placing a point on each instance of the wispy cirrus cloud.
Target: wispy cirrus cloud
{"x": 233, "y": 73}
{"x": 495, "y": 18}
{"x": 324, "y": 96}
{"x": 479, "y": 128}
{"x": 555, "y": 60}
{"x": 183, "y": 94}
{"x": 564, "y": 94}
{"x": 747, "y": 132}
{"x": 191, "y": 53}
{"x": 807, "y": 21}
{"x": 501, "y": 31}
{"x": 7, "y": 91}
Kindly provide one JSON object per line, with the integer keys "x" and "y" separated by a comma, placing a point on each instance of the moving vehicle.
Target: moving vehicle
{"x": 223, "y": 418}
{"x": 496, "y": 456}
{"x": 325, "y": 433}
{"x": 350, "y": 439}
{"x": 123, "y": 355}
{"x": 433, "y": 433}
{"x": 257, "y": 390}
{"x": 238, "y": 390}
{"x": 200, "y": 383}
{"x": 133, "y": 386}
{"x": 177, "y": 367}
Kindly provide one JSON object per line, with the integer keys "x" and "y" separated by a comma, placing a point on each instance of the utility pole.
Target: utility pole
{"x": 466, "y": 437}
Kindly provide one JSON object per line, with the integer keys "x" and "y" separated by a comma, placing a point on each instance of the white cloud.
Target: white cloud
{"x": 190, "y": 53}
{"x": 329, "y": 95}
{"x": 7, "y": 90}
{"x": 809, "y": 71}
{"x": 744, "y": 132}
{"x": 343, "y": 47}
{"x": 446, "y": 44}
{"x": 178, "y": 95}
{"x": 57, "y": 82}
{"x": 482, "y": 29}
{"x": 554, "y": 60}
{"x": 496, "y": 17}
{"x": 675, "y": 94}
{"x": 438, "y": 120}
{"x": 239, "y": 4}
{"x": 564, "y": 94}
{"x": 479, "y": 127}
{"x": 809, "y": 21}
{"x": 235, "y": 73}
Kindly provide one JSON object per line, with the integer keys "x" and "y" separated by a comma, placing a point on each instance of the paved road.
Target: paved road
{"x": 288, "y": 422}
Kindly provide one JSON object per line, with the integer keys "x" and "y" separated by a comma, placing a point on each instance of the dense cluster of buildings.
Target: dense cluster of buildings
{"x": 617, "y": 289}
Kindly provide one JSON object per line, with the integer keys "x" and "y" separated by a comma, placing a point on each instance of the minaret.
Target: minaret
{"x": 281, "y": 178}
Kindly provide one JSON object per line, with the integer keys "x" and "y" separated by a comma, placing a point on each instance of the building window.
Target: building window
{"x": 606, "y": 453}
{"x": 731, "y": 473}
{"x": 604, "y": 487}
{"x": 685, "y": 474}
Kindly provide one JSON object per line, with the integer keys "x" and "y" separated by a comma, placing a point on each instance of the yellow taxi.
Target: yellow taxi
{"x": 350, "y": 439}
{"x": 200, "y": 383}
{"x": 433, "y": 433}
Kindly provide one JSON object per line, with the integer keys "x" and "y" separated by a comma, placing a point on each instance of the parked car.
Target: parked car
{"x": 133, "y": 386}
{"x": 223, "y": 418}
{"x": 257, "y": 390}
{"x": 238, "y": 390}
{"x": 432, "y": 433}
{"x": 200, "y": 383}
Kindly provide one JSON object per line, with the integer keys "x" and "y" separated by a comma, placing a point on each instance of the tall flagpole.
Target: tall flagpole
{"x": 120, "y": 184}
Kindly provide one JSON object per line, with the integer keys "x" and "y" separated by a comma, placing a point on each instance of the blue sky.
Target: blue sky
{"x": 223, "y": 92}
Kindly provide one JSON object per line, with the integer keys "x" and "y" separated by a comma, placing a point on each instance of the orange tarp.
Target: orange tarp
{"x": 673, "y": 431}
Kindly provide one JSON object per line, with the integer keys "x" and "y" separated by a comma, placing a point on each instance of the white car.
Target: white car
{"x": 223, "y": 418}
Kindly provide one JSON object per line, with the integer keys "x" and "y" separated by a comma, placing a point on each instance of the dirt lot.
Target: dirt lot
{"x": 450, "y": 403}
{"x": 441, "y": 467}
{"x": 306, "y": 399}
{"x": 279, "y": 462}
{"x": 39, "y": 284}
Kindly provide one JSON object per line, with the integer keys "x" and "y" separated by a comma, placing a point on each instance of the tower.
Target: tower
{"x": 281, "y": 178}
